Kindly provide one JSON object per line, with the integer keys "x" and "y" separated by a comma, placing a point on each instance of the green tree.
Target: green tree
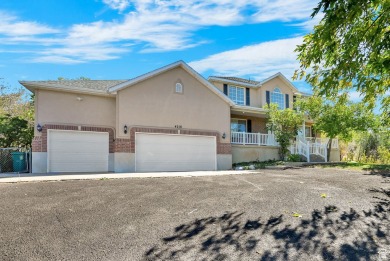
{"x": 16, "y": 118}
{"x": 336, "y": 119}
{"x": 349, "y": 50}
{"x": 284, "y": 124}
{"x": 15, "y": 132}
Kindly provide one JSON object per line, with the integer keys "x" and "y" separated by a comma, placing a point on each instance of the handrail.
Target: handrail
{"x": 247, "y": 138}
{"x": 324, "y": 141}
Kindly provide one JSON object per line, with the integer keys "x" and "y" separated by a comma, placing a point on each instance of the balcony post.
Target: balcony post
{"x": 243, "y": 138}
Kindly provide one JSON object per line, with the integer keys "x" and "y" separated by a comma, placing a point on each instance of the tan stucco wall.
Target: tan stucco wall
{"x": 247, "y": 153}
{"x": 271, "y": 85}
{"x": 219, "y": 85}
{"x": 257, "y": 95}
{"x": 64, "y": 108}
{"x": 154, "y": 103}
{"x": 253, "y": 93}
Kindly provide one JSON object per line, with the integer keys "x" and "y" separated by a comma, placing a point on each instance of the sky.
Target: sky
{"x": 122, "y": 39}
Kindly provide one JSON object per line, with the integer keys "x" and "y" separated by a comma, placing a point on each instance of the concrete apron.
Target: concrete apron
{"x": 12, "y": 178}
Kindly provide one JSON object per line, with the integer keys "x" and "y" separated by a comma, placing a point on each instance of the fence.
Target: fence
{"x": 14, "y": 160}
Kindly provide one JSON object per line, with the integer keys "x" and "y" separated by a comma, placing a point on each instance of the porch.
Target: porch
{"x": 250, "y": 140}
{"x": 260, "y": 146}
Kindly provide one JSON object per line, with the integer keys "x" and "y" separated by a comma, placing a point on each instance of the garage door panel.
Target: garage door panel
{"x": 160, "y": 152}
{"x": 76, "y": 151}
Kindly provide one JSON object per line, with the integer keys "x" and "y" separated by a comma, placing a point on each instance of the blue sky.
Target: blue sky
{"x": 121, "y": 39}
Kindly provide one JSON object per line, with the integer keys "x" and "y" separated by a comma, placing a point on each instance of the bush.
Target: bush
{"x": 294, "y": 158}
{"x": 384, "y": 155}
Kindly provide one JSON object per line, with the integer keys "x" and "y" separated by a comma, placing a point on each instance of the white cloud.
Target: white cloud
{"x": 117, "y": 4}
{"x": 259, "y": 61}
{"x": 282, "y": 10}
{"x": 154, "y": 26}
{"x": 10, "y": 25}
{"x": 78, "y": 54}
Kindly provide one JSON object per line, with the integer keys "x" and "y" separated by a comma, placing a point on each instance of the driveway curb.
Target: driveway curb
{"x": 13, "y": 178}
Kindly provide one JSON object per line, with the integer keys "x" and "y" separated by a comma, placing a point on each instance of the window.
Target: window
{"x": 307, "y": 131}
{"x": 278, "y": 97}
{"x": 179, "y": 88}
{"x": 237, "y": 125}
{"x": 237, "y": 94}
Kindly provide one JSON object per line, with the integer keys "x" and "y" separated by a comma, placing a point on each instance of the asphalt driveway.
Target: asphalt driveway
{"x": 296, "y": 214}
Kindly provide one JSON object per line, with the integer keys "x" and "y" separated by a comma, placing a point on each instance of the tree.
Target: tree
{"x": 15, "y": 132}
{"x": 349, "y": 50}
{"x": 336, "y": 119}
{"x": 284, "y": 124}
{"x": 16, "y": 118}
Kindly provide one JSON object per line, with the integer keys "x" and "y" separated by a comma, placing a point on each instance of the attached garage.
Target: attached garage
{"x": 163, "y": 152}
{"x": 77, "y": 151}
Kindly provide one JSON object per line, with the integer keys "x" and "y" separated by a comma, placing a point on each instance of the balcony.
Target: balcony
{"x": 259, "y": 139}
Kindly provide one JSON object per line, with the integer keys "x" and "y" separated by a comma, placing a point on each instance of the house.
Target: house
{"x": 170, "y": 119}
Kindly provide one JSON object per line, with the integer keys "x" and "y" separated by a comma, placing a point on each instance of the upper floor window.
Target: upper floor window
{"x": 237, "y": 94}
{"x": 278, "y": 97}
{"x": 179, "y": 88}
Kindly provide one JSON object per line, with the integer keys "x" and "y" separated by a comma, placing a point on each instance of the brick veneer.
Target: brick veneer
{"x": 222, "y": 148}
{"x": 39, "y": 143}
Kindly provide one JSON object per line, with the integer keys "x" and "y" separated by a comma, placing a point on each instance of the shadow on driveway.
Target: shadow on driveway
{"x": 328, "y": 234}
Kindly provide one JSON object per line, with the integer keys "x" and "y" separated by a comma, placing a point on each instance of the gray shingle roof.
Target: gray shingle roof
{"x": 237, "y": 79}
{"x": 91, "y": 85}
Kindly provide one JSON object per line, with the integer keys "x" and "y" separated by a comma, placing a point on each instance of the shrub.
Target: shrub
{"x": 294, "y": 158}
{"x": 384, "y": 155}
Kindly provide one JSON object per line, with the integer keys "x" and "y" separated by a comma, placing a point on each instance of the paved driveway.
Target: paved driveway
{"x": 342, "y": 215}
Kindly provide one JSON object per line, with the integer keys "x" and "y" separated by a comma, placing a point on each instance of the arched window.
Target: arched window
{"x": 278, "y": 97}
{"x": 179, "y": 88}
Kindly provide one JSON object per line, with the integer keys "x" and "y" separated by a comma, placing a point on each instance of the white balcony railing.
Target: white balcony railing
{"x": 259, "y": 139}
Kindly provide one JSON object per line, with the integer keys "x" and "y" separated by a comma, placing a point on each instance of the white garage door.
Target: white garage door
{"x": 77, "y": 151}
{"x": 161, "y": 152}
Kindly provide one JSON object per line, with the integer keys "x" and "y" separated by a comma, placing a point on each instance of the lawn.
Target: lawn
{"x": 358, "y": 166}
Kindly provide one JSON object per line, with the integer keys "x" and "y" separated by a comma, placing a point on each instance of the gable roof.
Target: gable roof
{"x": 236, "y": 79}
{"x": 255, "y": 84}
{"x": 166, "y": 68}
{"x": 284, "y": 79}
{"x": 86, "y": 86}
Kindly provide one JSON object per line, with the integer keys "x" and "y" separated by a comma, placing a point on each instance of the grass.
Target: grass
{"x": 358, "y": 166}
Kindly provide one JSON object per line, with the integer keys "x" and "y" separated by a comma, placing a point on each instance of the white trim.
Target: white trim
{"x": 216, "y": 79}
{"x": 171, "y": 66}
{"x": 248, "y": 109}
{"x": 173, "y": 134}
{"x": 279, "y": 74}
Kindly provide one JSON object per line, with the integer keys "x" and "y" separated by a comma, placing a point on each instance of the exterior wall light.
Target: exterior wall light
{"x": 39, "y": 128}
{"x": 125, "y": 129}
{"x": 224, "y": 135}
